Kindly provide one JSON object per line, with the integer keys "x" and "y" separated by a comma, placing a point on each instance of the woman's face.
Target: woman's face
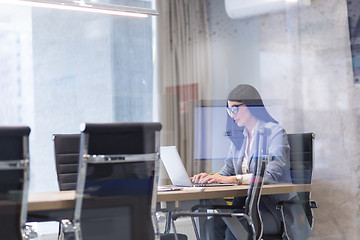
{"x": 239, "y": 112}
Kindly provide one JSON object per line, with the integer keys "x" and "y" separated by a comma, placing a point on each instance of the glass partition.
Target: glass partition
{"x": 59, "y": 69}
{"x": 302, "y": 58}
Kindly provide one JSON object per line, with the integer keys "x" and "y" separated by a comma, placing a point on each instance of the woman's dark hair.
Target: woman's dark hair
{"x": 248, "y": 95}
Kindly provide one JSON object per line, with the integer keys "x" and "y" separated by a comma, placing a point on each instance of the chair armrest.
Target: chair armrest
{"x": 205, "y": 214}
{"x": 311, "y": 203}
{"x": 197, "y": 207}
{"x": 280, "y": 205}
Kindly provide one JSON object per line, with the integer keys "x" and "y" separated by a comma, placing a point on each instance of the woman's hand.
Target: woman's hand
{"x": 206, "y": 178}
{"x": 198, "y": 177}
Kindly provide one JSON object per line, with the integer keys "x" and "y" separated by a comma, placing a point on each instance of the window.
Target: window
{"x": 61, "y": 68}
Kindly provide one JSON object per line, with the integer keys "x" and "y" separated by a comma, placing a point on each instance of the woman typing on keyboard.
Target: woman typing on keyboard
{"x": 246, "y": 116}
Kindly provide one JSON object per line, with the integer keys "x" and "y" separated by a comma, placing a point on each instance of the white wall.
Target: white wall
{"x": 234, "y": 50}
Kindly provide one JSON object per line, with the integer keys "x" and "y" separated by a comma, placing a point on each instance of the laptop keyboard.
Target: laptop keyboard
{"x": 210, "y": 184}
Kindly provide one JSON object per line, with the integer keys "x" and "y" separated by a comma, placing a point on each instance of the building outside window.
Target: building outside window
{"x": 61, "y": 68}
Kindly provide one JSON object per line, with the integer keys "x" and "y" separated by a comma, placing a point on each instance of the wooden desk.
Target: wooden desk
{"x": 228, "y": 191}
{"x": 60, "y": 205}
{"x": 65, "y": 199}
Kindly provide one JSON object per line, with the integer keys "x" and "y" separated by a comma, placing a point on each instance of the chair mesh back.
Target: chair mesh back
{"x": 67, "y": 148}
{"x": 118, "y": 194}
{"x": 12, "y": 181}
{"x": 301, "y": 165}
{"x": 301, "y": 157}
{"x": 253, "y": 197}
{"x": 118, "y": 201}
{"x": 132, "y": 138}
{"x": 11, "y": 142}
{"x": 11, "y": 186}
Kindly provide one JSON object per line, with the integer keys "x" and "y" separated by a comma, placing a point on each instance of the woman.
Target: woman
{"x": 248, "y": 114}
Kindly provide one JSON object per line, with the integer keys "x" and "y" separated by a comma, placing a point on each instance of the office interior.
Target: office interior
{"x": 61, "y": 68}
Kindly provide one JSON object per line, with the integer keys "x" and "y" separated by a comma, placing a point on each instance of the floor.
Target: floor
{"x": 49, "y": 230}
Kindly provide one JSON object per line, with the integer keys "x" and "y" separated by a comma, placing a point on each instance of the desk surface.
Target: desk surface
{"x": 65, "y": 199}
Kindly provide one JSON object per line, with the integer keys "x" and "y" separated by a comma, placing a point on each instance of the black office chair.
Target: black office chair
{"x": 302, "y": 163}
{"x": 301, "y": 167}
{"x": 66, "y": 148}
{"x": 250, "y": 215}
{"x": 14, "y": 183}
{"x": 116, "y": 187}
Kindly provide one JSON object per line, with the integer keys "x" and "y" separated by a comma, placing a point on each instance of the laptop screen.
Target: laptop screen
{"x": 174, "y": 166}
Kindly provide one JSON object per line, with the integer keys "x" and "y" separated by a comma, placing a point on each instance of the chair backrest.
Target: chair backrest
{"x": 14, "y": 181}
{"x": 253, "y": 198}
{"x": 66, "y": 148}
{"x": 255, "y": 188}
{"x": 301, "y": 165}
{"x": 116, "y": 188}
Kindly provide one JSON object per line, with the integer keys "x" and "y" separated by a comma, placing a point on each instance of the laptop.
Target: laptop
{"x": 176, "y": 170}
